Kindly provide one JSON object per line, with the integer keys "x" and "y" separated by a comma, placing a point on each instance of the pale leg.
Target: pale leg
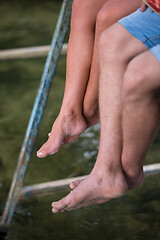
{"x": 141, "y": 113}
{"x": 107, "y": 181}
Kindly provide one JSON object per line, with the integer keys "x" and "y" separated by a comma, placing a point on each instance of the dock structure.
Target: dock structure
{"x": 18, "y": 190}
{"x": 28, "y": 52}
{"x": 54, "y": 186}
{"x": 37, "y": 111}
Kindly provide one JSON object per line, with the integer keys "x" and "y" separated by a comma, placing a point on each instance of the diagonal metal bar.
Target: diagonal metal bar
{"x": 37, "y": 112}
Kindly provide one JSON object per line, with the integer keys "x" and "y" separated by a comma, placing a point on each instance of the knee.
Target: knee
{"x": 106, "y": 43}
{"x": 104, "y": 20}
{"x": 77, "y": 7}
{"x": 133, "y": 83}
{"x": 76, "y": 12}
{"x": 110, "y": 45}
{"x": 80, "y": 17}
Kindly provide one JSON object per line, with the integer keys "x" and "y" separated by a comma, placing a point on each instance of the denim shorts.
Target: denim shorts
{"x": 146, "y": 27}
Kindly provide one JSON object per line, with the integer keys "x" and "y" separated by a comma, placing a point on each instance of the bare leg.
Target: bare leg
{"x": 107, "y": 180}
{"x": 141, "y": 113}
{"x": 70, "y": 121}
{"x": 110, "y": 13}
{"x": 140, "y": 108}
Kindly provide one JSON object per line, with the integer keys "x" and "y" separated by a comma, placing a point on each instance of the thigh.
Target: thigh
{"x": 119, "y": 9}
{"x": 85, "y": 11}
{"x": 118, "y": 44}
{"x": 145, "y": 71}
{"x": 145, "y": 26}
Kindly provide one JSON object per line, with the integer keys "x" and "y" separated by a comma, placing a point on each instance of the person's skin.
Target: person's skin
{"x": 127, "y": 100}
{"x": 80, "y": 103}
{"x": 110, "y": 13}
{"x": 141, "y": 111}
{"x": 143, "y": 7}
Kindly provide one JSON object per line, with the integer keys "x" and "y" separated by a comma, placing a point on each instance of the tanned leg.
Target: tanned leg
{"x": 71, "y": 121}
{"x": 110, "y": 13}
{"x": 107, "y": 180}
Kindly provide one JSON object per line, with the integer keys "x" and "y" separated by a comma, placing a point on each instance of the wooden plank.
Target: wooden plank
{"x": 29, "y": 52}
{"x": 151, "y": 169}
{"x": 48, "y": 187}
{"x": 59, "y": 185}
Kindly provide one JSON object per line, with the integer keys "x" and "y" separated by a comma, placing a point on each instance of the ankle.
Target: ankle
{"x": 114, "y": 185}
{"x": 134, "y": 178}
{"x": 91, "y": 113}
{"x": 68, "y": 111}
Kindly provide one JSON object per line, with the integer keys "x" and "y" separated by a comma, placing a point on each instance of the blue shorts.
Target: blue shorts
{"x": 146, "y": 27}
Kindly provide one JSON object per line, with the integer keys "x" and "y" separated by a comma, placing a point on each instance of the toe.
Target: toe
{"x": 54, "y": 210}
{"x": 74, "y": 184}
{"x": 43, "y": 151}
{"x": 74, "y": 198}
{"x": 51, "y": 146}
{"x": 61, "y": 204}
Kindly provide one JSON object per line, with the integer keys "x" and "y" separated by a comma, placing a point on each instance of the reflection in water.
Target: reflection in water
{"x": 134, "y": 216}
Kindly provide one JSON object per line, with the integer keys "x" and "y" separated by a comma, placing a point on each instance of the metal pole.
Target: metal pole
{"x": 37, "y": 112}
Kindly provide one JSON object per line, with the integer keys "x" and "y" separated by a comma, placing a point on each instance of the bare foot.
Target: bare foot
{"x": 91, "y": 119}
{"x": 65, "y": 125}
{"x": 132, "y": 182}
{"x": 95, "y": 189}
{"x": 66, "y": 129}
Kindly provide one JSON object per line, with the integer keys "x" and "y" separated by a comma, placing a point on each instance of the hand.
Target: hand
{"x": 143, "y": 7}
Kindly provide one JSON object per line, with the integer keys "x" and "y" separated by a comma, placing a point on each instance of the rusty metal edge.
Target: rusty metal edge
{"x": 37, "y": 112}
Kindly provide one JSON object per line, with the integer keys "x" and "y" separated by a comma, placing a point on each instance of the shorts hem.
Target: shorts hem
{"x": 135, "y": 32}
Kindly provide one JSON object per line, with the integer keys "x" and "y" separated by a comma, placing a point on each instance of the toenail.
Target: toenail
{"x": 39, "y": 153}
{"x": 54, "y": 210}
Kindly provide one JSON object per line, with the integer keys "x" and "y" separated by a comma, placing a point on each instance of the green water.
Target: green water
{"x": 134, "y": 216}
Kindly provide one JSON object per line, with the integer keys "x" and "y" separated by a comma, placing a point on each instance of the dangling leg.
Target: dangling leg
{"x": 141, "y": 117}
{"x": 70, "y": 121}
{"x": 107, "y": 180}
{"x": 110, "y": 13}
{"x": 141, "y": 113}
